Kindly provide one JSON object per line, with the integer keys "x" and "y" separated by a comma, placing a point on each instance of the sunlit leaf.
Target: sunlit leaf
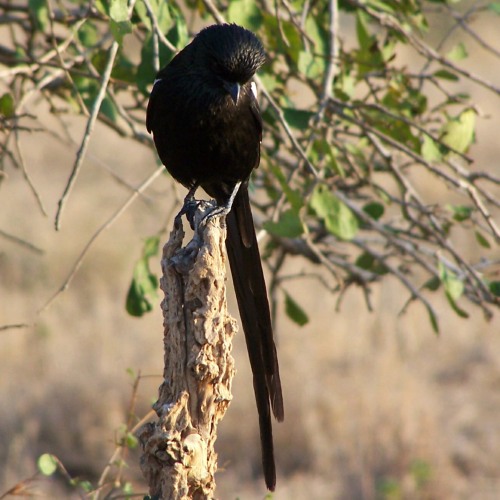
{"x": 245, "y": 13}
{"x": 151, "y": 247}
{"x": 309, "y": 65}
{"x": 458, "y": 52}
{"x": 161, "y": 11}
{"x": 453, "y": 287}
{"x": 131, "y": 441}
{"x": 142, "y": 12}
{"x": 430, "y": 150}
{"x": 118, "y": 10}
{"x": 40, "y": 13}
{"x": 338, "y": 218}
{"x": 458, "y": 133}
{"x": 47, "y": 464}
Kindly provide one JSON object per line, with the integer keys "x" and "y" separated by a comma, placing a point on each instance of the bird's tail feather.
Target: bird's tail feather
{"x": 251, "y": 294}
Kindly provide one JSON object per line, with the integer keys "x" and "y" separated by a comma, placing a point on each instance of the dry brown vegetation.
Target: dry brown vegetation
{"x": 375, "y": 402}
{"x": 377, "y": 406}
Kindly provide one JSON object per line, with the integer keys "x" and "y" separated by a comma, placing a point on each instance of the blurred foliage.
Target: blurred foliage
{"x": 360, "y": 100}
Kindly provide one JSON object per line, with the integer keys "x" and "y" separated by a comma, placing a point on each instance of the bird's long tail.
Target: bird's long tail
{"x": 251, "y": 294}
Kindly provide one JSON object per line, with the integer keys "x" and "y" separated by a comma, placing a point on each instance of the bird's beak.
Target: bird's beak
{"x": 233, "y": 89}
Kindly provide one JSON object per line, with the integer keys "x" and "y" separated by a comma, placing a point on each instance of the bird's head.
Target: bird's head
{"x": 231, "y": 54}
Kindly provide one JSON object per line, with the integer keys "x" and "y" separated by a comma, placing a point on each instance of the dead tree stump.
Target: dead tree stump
{"x": 179, "y": 460}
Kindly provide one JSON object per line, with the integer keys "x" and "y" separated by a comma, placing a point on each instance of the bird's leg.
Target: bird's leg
{"x": 222, "y": 210}
{"x": 188, "y": 207}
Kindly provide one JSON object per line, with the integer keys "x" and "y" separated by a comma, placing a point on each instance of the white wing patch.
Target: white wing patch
{"x": 156, "y": 81}
{"x": 253, "y": 88}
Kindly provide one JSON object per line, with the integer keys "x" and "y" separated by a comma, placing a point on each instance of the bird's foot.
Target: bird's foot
{"x": 221, "y": 210}
{"x": 189, "y": 209}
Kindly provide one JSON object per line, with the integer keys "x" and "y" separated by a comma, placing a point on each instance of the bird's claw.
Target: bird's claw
{"x": 189, "y": 209}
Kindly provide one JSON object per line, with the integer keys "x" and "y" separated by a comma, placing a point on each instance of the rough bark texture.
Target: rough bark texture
{"x": 179, "y": 460}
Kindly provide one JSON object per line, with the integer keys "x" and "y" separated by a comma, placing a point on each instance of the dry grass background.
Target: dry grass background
{"x": 377, "y": 406}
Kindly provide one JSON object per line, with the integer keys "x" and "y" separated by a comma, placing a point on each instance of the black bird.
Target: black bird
{"x": 207, "y": 129}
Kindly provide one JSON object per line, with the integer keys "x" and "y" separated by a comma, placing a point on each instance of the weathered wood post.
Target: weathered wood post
{"x": 179, "y": 460}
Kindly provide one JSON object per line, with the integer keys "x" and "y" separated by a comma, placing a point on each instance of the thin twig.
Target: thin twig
{"x": 94, "y": 237}
{"x": 23, "y": 243}
{"x": 88, "y": 131}
{"x": 158, "y": 32}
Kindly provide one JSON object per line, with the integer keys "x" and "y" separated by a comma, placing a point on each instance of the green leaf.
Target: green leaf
{"x": 433, "y": 283}
{"x": 297, "y": 118}
{"x": 289, "y": 225}
{"x": 142, "y": 13}
{"x": 145, "y": 71}
{"x": 482, "y": 240}
{"x": 458, "y": 52}
{"x": 166, "y": 22}
{"x": 430, "y": 150}
{"x": 88, "y": 34}
{"x": 370, "y": 263}
{"x": 144, "y": 286}
{"x": 295, "y": 312}
{"x": 102, "y": 6}
{"x": 374, "y": 209}
{"x": 494, "y": 7}
{"x": 124, "y": 69}
{"x": 338, "y": 218}
{"x": 309, "y": 65}
{"x": 383, "y": 6}
{"x": 365, "y": 40}
{"x": 284, "y": 38}
{"x": 142, "y": 290}
{"x": 131, "y": 441}
{"x": 109, "y": 109}
{"x": 458, "y": 133}
{"x": 7, "y": 107}
{"x": 446, "y": 75}
{"x": 494, "y": 287}
{"x": 294, "y": 196}
{"x": 47, "y": 464}
{"x": 453, "y": 288}
{"x": 245, "y": 13}
{"x": 120, "y": 29}
{"x": 178, "y": 33}
{"x": 85, "y": 486}
{"x": 460, "y": 212}
{"x": 151, "y": 247}
{"x": 433, "y": 319}
{"x": 345, "y": 86}
{"x": 40, "y": 13}
{"x": 118, "y": 10}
